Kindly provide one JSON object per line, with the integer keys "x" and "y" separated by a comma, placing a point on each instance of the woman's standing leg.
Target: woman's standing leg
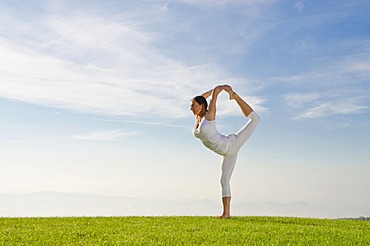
{"x": 228, "y": 161}
{"x": 226, "y": 201}
{"x": 227, "y": 168}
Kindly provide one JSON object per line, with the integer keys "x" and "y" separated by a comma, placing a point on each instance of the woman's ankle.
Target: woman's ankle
{"x": 232, "y": 95}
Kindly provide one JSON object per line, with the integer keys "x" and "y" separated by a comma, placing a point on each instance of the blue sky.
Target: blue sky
{"x": 94, "y": 98}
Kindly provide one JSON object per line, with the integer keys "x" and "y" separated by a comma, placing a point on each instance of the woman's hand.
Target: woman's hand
{"x": 220, "y": 88}
{"x": 227, "y": 88}
{"x": 211, "y": 114}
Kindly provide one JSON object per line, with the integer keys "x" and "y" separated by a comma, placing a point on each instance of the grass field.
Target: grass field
{"x": 182, "y": 231}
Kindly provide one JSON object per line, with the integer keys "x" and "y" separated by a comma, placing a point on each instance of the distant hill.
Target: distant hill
{"x": 55, "y": 204}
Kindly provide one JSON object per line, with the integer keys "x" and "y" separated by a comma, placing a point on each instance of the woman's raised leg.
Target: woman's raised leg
{"x": 246, "y": 131}
{"x": 245, "y": 108}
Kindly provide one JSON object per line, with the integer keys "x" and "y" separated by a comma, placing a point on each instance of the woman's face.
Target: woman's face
{"x": 195, "y": 107}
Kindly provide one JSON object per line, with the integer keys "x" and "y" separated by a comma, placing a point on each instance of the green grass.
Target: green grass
{"x": 182, "y": 231}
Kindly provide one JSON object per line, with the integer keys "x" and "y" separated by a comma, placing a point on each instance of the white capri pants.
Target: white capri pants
{"x": 236, "y": 142}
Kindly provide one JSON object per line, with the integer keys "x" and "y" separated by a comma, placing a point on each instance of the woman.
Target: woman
{"x": 226, "y": 146}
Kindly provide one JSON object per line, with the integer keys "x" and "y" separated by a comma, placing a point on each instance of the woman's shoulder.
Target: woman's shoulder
{"x": 209, "y": 117}
{"x": 212, "y": 121}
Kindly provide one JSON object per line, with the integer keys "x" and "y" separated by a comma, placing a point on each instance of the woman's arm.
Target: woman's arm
{"x": 207, "y": 93}
{"x": 211, "y": 113}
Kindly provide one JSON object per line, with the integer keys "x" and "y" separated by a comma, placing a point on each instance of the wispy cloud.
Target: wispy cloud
{"x": 336, "y": 85}
{"x": 103, "y": 135}
{"x": 297, "y": 100}
{"x": 212, "y": 3}
{"x": 299, "y": 5}
{"x": 102, "y": 65}
{"x": 325, "y": 108}
{"x": 327, "y": 102}
{"x": 331, "y": 97}
{"x": 228, "y": 108}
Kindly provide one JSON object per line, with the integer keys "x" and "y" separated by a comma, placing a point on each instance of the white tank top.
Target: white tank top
{"x": 211, "y": 138}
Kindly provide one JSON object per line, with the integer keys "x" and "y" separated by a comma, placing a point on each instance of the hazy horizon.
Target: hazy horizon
{"x": 51, "y": 204}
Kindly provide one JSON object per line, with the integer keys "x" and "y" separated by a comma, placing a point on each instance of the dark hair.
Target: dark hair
{"x": 202, "y": 100}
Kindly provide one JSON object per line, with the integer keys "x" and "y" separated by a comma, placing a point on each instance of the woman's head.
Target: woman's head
{"x": 198, "y": 104}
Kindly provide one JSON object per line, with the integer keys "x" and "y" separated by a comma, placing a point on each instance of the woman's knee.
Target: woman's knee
{"x": 224, "y": 182}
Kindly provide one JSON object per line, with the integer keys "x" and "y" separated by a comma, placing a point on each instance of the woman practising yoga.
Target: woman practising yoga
{"x": 226, "y": 146}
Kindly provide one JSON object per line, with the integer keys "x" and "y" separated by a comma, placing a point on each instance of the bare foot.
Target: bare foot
{"x": 231, "y": 94}
{"x": 224, "y": 217}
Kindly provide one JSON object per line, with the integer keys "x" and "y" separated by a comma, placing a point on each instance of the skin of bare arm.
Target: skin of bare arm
{"x": 211, "y": 113}
{"x": 207, "y": 94}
